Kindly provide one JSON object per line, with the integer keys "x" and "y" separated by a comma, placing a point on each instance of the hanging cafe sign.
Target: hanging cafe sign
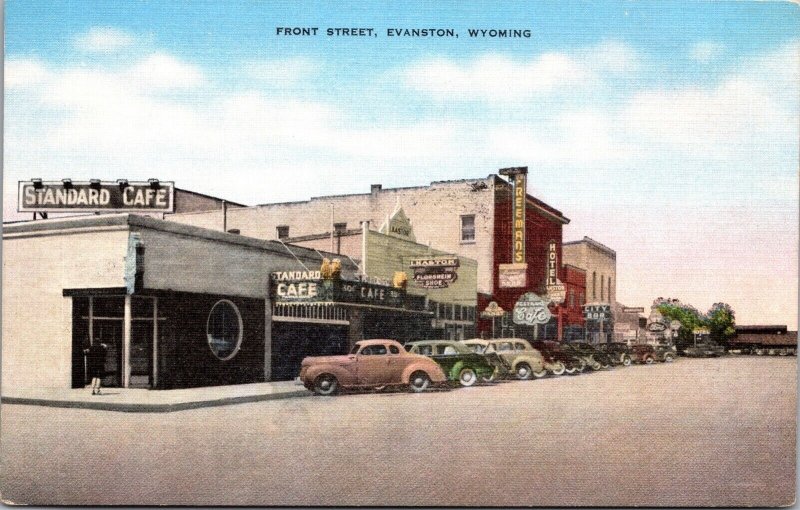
{"x": 96, "y": 196}
{"x": 435, "y": 272}
{"x": 531, "y": 310}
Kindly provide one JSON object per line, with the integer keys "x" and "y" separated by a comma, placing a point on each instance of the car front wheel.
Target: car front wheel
{"x": 326, "y": 385}
{"x": 419, "y": 381}
{"x": 669, "y": 358}
{"x": 648, "y": 360}
{"x": 523, "y": 371}
{"x": 467, "y": 377}
{"x": 626, "y": 360}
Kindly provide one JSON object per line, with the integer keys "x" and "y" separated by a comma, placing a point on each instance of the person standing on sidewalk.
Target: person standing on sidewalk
{"x": 96, "y": 364}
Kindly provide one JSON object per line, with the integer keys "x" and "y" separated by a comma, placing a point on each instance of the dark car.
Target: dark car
{"x": 649, "y": 354}
{"x": 552, "y": 350}
{"x": 704, "y": 350}
{"x": 594, "y": 359}
{"x": 620, "y": 352}
{"x": 665, "y": 353}
{"x": 457, "y": 360}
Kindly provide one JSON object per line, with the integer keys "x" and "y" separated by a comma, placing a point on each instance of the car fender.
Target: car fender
{"x": 345, "y": 377}
{"x": 433, "y": 370}
{"x": 456, "y": 370}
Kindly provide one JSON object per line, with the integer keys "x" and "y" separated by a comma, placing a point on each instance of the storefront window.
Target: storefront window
{"x": 224, "y": 330}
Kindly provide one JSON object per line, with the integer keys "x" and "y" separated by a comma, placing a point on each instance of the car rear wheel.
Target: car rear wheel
{"x": 467, "y": 377}
{"x": 626, "y": 360}
{"x": 558, "y": 368}
{"x": 669, "y": 358}
{"x": 489, "y": 378}
{"x": 571, "y": 370}
{"x": 419, "y": 381}
{"x": 596, "y": 365}
{"x": 759, "y": 352}
{"x": 326, "y": 385}
{"x": 649, "y": 360}
{"x": 523, "y": 371}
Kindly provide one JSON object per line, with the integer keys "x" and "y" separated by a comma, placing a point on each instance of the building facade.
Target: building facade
{"x": 178, "y": 306}
{"x": 600, "y": 265}
{"x": 470, "y": 218}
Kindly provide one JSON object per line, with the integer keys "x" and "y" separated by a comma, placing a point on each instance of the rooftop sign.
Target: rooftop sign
{"x": 96, "y": 196}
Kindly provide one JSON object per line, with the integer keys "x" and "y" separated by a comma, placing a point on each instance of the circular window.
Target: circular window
{"x": 224, "y": 330}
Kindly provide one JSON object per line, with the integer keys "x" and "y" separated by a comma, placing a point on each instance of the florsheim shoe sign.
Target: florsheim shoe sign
{"x": 96, "y": 196}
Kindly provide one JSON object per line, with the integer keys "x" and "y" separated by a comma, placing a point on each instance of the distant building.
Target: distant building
{"x": 600, "y": 263}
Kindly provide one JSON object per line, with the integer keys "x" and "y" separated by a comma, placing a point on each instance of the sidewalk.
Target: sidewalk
{"x": 155, "y": 401}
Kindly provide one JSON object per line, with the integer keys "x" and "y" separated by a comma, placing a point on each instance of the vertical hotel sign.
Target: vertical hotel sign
{"x": 515, "y": 274}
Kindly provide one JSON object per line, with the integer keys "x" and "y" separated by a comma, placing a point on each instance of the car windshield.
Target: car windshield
{"x": 476, "y": 348}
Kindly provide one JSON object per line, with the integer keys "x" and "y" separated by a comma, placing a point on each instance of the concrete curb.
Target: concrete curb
{"x": 128, "y": 407}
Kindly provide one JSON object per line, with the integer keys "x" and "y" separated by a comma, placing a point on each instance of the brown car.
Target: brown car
{"x": 370, "y": 364}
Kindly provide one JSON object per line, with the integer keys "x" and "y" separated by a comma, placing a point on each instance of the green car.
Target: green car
{"x": 457, "y": 360}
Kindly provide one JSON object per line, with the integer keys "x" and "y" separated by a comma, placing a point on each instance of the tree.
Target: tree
{"x": 721, "y": 323}
{"x": 689, "y": 317}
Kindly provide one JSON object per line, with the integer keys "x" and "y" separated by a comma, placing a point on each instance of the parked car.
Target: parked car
{"x": 370, "y": 364}
{"x": 572, "y": 364}
{"x": 501, "y": 364}
{"x": 619, "y": 352}
{"x": 704, "y": 350}
{"x": 594, "y": 359}
{"x": 525, "y": 361}
{"x": 457, "y": 360}
{"x": 665, "y": 352}
{"x": 646, "y": 354}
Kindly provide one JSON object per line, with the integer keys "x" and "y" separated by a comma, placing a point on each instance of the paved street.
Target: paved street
{"x": 696, "y": 432}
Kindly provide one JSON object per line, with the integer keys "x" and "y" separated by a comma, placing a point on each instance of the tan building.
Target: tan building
{"x": 600, "y": 263}
{"x": 467, "y": 227}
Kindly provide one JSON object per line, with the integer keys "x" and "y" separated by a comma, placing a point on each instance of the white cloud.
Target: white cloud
{"x": 706, "y": 51}
{"x": 494, "y": 77}
{"x": 20, "y": 73}
{"x": 497, "y": 78}
{"x": 751, "y": 110}
{"x": 162, "y": 71}
{"x": 282, "y": 72}
{"x": 104, "y": 40}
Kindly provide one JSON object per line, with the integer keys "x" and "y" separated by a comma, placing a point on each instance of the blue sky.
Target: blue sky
{"x": 667, "y": 130}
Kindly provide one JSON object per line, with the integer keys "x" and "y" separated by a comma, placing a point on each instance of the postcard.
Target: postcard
{"x": 400, "y": 253}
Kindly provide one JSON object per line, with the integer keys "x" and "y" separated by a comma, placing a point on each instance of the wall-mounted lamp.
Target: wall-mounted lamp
{"x": 94, "y": 183}
{"x": 67, "y": 182}
{"x": 154, "y": 183}
{"x": 37, "y": 183}
{"x": 123, "y": 183}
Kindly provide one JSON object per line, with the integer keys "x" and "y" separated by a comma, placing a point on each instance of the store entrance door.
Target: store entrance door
{"x": 141, "y": 354}
{"x": 109, "y": 332}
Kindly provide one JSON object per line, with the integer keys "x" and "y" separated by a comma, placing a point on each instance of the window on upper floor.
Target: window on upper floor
{"x": 282, "y": 231}
{"x": 468, "y": 228}
{"x": 339, "y": 228}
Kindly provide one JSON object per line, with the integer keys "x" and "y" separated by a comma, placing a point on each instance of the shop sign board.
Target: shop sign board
{"x": 512, "y": 275}
{"x": 492, "y": 310}
{"x": 632, "y": 309}
{"x": 600, "y": 312}
{"x": 340, "y": 291}
{"x": 531, "y": 310}
{"x": 435, "y": 272}
{"x": 96, "y": 196}
{"x": 518, "y": 218}
{"x": 557, "y": 293}
{"x": 656, "y": 327}
{"x": 552, "y": 264}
